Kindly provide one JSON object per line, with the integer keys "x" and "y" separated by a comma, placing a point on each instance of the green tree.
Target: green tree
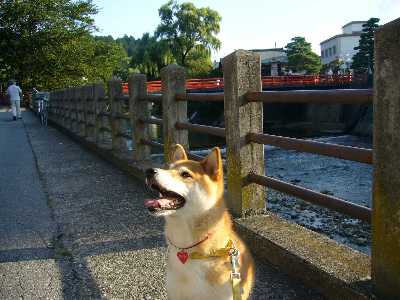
{"x": 199, "y": 62}
{"x": 149, "y": 55}
{"x": 335, "y": 66}
{"x": 34, "y": 32}
{"x": 301, "y": 58}
{"x": 109, "y": 59}
{"x": 128, "y": 43}
{"x": 49, "y": 44}
{"x": 184, "y": 26}
{"x": 363, "y": 60}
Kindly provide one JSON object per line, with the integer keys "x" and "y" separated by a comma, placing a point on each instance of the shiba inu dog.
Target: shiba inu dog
{"x": 206, "y": 258}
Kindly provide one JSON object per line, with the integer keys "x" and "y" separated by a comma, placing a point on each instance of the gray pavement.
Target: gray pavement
{"x": 28, "y": 268}
{"x": 73, "y": 226}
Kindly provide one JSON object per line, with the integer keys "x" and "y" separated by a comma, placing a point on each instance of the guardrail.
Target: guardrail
{"x": 125, "y": 117}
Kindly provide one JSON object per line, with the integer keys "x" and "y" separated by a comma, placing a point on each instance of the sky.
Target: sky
{"x": 251, "y": 24}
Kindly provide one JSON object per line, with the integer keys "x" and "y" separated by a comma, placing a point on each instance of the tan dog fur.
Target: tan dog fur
{"x": 203, "y": 215}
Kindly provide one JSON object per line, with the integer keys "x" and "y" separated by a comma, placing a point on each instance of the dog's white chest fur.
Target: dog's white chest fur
{"x": 188, "y": 281}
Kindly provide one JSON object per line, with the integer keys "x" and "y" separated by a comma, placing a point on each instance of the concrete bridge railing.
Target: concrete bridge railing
{"x": 107, "y": 119}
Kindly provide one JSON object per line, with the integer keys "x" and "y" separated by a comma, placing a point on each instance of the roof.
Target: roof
{"x": 341, "y": 35}
{"x": 354, "y": 22}
{"x": 270, "y": 49}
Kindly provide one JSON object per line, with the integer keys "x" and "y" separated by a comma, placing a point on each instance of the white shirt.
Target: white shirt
{"x": 13, "y": 91}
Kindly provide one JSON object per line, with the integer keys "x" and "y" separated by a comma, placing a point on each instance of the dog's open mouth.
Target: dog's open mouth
{"x": 166, "y": 201}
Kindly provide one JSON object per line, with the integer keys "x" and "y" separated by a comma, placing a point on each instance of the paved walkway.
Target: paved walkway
{"x": 74, "y": 227}
{"x": 28, "y": 268}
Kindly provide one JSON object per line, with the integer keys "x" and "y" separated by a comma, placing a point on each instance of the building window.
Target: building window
{"x": 322, "y": 53}
{"x": 326, "y": 52}
{"x": 334, "y": 50}
{"x": 330, "y": 51}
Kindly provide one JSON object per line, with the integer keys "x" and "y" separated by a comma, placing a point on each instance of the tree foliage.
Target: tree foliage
{"x": 49, "y": 44}
{"x": 184, "y": 27}
{"x": 147, "y": 54}
{"x": 199, "y": 62}
{"x": 301, "y": 58}
{"x": 363, "y": 60}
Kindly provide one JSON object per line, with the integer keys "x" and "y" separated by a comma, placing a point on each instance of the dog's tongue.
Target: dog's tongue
{"x": 158, "y": 203}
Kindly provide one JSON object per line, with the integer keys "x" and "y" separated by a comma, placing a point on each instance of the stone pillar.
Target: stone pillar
{"x": 66, "y": 101}
{"x": 386, "y": 187}
{"x": 173, "y": 81}
{"x": 79, "y": 113}
{"x": 98, "y": 96}
{"x": 86, "y": 95}
{"x": 75, "y": 110}
{"x": 52, "y": 104}
{"x": 114, "y": 93}
{"x": 242, "y": 74}
{"x": 139, "y": 110}
{"x": 69, "y": 106}
{"x": 63, "y": 97}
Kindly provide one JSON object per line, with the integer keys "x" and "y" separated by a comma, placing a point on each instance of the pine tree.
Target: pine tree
{"x": 301, "y": 58}
{"x": 363, "y": 60}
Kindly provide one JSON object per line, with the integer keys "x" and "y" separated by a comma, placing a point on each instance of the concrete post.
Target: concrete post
{"x": 79, "y": 112}
{"x": 114, "y": 93}
{"x": 85, "y": 106}
{"x": 386, "y": 187}
{"x": 78, "y": 106}
{"x": 71, "y": 107}
{"x": 68, "y": 105}
{"x": 52, "y": 104}
{"x": 59, "y": 109}
{"x": 139, "y": 109}
{"x": 242, "y": 74}
{"x": 98, "y": 95}
{"x": 64, "y": 99}
{"x": 75, "y": 111}
{"x": 173, "y": 81}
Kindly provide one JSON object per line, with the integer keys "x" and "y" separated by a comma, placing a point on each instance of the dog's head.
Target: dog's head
{"x": 188, "y": 188}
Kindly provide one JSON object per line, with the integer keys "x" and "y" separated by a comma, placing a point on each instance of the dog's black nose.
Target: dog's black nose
{"x": 150, "y": 173}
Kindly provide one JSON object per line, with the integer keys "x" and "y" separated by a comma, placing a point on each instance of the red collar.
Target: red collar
{"x": 189, "y": 247}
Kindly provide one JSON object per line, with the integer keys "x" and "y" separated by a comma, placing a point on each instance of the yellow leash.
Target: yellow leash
{"x": 231, "y": 251}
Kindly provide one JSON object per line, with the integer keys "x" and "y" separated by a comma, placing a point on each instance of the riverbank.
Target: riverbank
{"x": 349, "y": 180}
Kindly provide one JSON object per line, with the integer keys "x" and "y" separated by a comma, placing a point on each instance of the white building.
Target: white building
{"x": 341, "y": 46}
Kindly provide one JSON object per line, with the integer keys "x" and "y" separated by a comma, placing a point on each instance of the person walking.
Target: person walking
{"x": 14, "y": 92}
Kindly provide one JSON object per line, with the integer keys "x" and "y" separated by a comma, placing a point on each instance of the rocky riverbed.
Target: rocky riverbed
{"x": 348, "y": 180}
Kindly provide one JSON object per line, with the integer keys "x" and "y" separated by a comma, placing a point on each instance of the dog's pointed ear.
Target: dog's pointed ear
{"x": 177, "y": 153}
{"x": 212, "y": 164}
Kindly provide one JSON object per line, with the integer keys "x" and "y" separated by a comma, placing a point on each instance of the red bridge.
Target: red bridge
{"x": 267, "y": 81}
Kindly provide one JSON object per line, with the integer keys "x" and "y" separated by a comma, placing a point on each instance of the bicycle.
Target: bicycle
{"x": 43, "y": 111}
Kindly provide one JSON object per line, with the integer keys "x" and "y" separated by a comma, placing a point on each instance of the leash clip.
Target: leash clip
{"x": 234, "y": 255}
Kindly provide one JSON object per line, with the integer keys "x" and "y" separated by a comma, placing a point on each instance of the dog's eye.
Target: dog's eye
{"x": 185, "y": 174}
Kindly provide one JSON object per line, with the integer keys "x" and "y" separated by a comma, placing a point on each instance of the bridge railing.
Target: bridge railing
{"x": 217, "y": 83}
{"x": 114, "y": 118}
{"x": 89, "y": 112}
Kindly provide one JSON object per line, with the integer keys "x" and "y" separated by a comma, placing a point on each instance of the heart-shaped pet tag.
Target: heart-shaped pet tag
{"x": 182, "y": 256}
